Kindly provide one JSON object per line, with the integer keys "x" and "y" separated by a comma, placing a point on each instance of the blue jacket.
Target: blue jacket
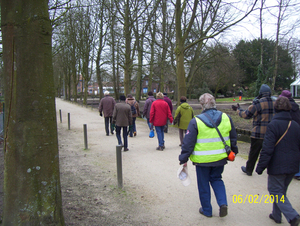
{"x": 285, "y": 156}
{"x": 190, "y": 138}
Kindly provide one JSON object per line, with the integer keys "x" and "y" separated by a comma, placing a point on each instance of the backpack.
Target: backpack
{"x": 133, "y": 110}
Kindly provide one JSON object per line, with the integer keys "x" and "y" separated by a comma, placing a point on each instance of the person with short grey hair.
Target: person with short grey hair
{"x": 281, "y": 156}
{"x": 203, "y": 146}
{"x": 106, "y": 105}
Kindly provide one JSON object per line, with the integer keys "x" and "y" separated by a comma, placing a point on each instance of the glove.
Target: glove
{"x": 130, "y": 127}
{"x": 113, "y": 127}
{"x": 259, "y": 172}
{"x": 234, "y": 107}
{"x": 101, "y": 113}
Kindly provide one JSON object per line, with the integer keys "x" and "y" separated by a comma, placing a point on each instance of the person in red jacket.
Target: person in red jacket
{"x": 159, "y": 113}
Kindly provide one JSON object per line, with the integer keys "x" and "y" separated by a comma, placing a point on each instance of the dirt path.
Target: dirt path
{"x": 151, "y": 194}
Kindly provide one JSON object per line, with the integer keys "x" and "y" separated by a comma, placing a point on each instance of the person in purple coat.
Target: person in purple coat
{"x": 295, "y": 114}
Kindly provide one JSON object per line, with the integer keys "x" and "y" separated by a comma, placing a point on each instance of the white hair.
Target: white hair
{"x": 106, "y": 93}
{"x": 207, "y": 101}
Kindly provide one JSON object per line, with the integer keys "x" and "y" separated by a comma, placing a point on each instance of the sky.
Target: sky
{"x": 249, "y": 28}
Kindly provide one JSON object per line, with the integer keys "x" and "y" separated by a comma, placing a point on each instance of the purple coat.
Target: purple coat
{"x": 147, "y": 106}
{"x": 168, "y": 100}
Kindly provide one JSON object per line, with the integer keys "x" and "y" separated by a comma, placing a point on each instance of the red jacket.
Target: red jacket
{"x": 160, "y": 112}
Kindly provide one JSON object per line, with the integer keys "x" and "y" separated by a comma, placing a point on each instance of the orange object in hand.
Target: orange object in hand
{"x": 231, "y": 156}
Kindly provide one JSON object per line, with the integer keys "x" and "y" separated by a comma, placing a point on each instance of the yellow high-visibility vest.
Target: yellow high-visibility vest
{"x": 209, "y": 146}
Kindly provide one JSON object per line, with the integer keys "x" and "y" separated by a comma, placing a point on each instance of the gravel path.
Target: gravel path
{"x": 151, "y": 194}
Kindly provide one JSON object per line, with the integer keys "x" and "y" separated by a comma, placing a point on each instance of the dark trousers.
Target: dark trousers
{"x": 125, "y": 134}
{"x": 277, "y": 186}
{"x": 255, "y": 148}
{"x": 206, "y": 177}
{"x": 108, "y": 121}
{"x": 133, "y": 127}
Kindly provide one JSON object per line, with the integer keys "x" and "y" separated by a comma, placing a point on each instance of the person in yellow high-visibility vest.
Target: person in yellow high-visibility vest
{"x": 204, "y": 147}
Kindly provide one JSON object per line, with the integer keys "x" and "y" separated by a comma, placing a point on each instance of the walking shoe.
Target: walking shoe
{"x": 223, "y": 211}
{"x": 295, "y": 221}
{"x": 159, "y": 148}
{"x": 245, "y": 171}
{"x": 201, "y": 212}
{"x": 276, "y": 221}
{"x": 112, "y": 132}
{"x": 107, "y": 134}
{"x": 126, "y": 149}
{"x": 297, "y": 177}
{"x": 134, "y": 133}
{"x": 163, "y": 147}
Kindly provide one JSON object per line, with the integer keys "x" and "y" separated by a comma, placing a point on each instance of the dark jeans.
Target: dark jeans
{"x": 255, "y": 148}
{"x": 108, "y": 121}
{"x": 160, "y": 135}
{"x": 133, "y": 127}
{"x": 148, "y": 122}
{"x": 210, "y": 176}
{"x": 277, "y": 186}
{"x": 125, "y": 134}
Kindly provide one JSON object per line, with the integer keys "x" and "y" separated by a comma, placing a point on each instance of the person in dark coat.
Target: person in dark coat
{"x": 281, "y": 156}
{"x": 203, "y": 146}
{"x": 262, "y": 111}
{"x": 122, "y": 118}
{"x": 295, "y": 113}
{"x": 106, "y": 105}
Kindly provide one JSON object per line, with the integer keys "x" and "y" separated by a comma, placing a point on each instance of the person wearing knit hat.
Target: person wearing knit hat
{"x": 280, "y": 155}
{"x": 122, "y": 118}
{"x": 262, "y": 112}
{"x": 106, "y": 105}
{"x": 159, "y": 113}
{"x": 295, "y": 114}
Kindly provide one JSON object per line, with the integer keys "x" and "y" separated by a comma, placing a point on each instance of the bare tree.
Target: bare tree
{"x": 32, "y": 194}
{"x": 214, "y": 20}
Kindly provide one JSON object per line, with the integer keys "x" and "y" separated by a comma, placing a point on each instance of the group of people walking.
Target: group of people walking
{"x": 274, "y": 140}
{"x": 121, "y": 116}
{"x": 205, "y": 139}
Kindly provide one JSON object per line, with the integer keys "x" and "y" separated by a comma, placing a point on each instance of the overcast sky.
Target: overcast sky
{"x": 249, "y": 28}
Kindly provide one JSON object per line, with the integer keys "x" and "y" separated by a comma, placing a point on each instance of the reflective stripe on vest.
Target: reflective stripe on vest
{"x": 209, "y": 146}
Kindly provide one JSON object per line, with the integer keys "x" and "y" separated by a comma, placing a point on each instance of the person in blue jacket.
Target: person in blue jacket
{"x": 281, "y": 156}
{"x": 203, "y": 145}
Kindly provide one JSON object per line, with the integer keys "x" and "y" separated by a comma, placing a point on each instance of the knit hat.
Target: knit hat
{"x": 286, "y": 93}
{"x": 265, "y": 89}
{"x": 122, "y": 97}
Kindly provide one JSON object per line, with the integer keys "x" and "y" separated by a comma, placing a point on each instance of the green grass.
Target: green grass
{"x": 230, "y": 99}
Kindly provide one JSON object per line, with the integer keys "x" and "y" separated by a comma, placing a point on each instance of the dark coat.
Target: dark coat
{"x": 122, "y": 115}
{"x": 283, "y": 158}
{"x": 107, "y": 105}
{"x": 190, "y": 138}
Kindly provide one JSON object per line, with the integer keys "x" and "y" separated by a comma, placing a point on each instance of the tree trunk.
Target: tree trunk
{"x": 32, "y": 194}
